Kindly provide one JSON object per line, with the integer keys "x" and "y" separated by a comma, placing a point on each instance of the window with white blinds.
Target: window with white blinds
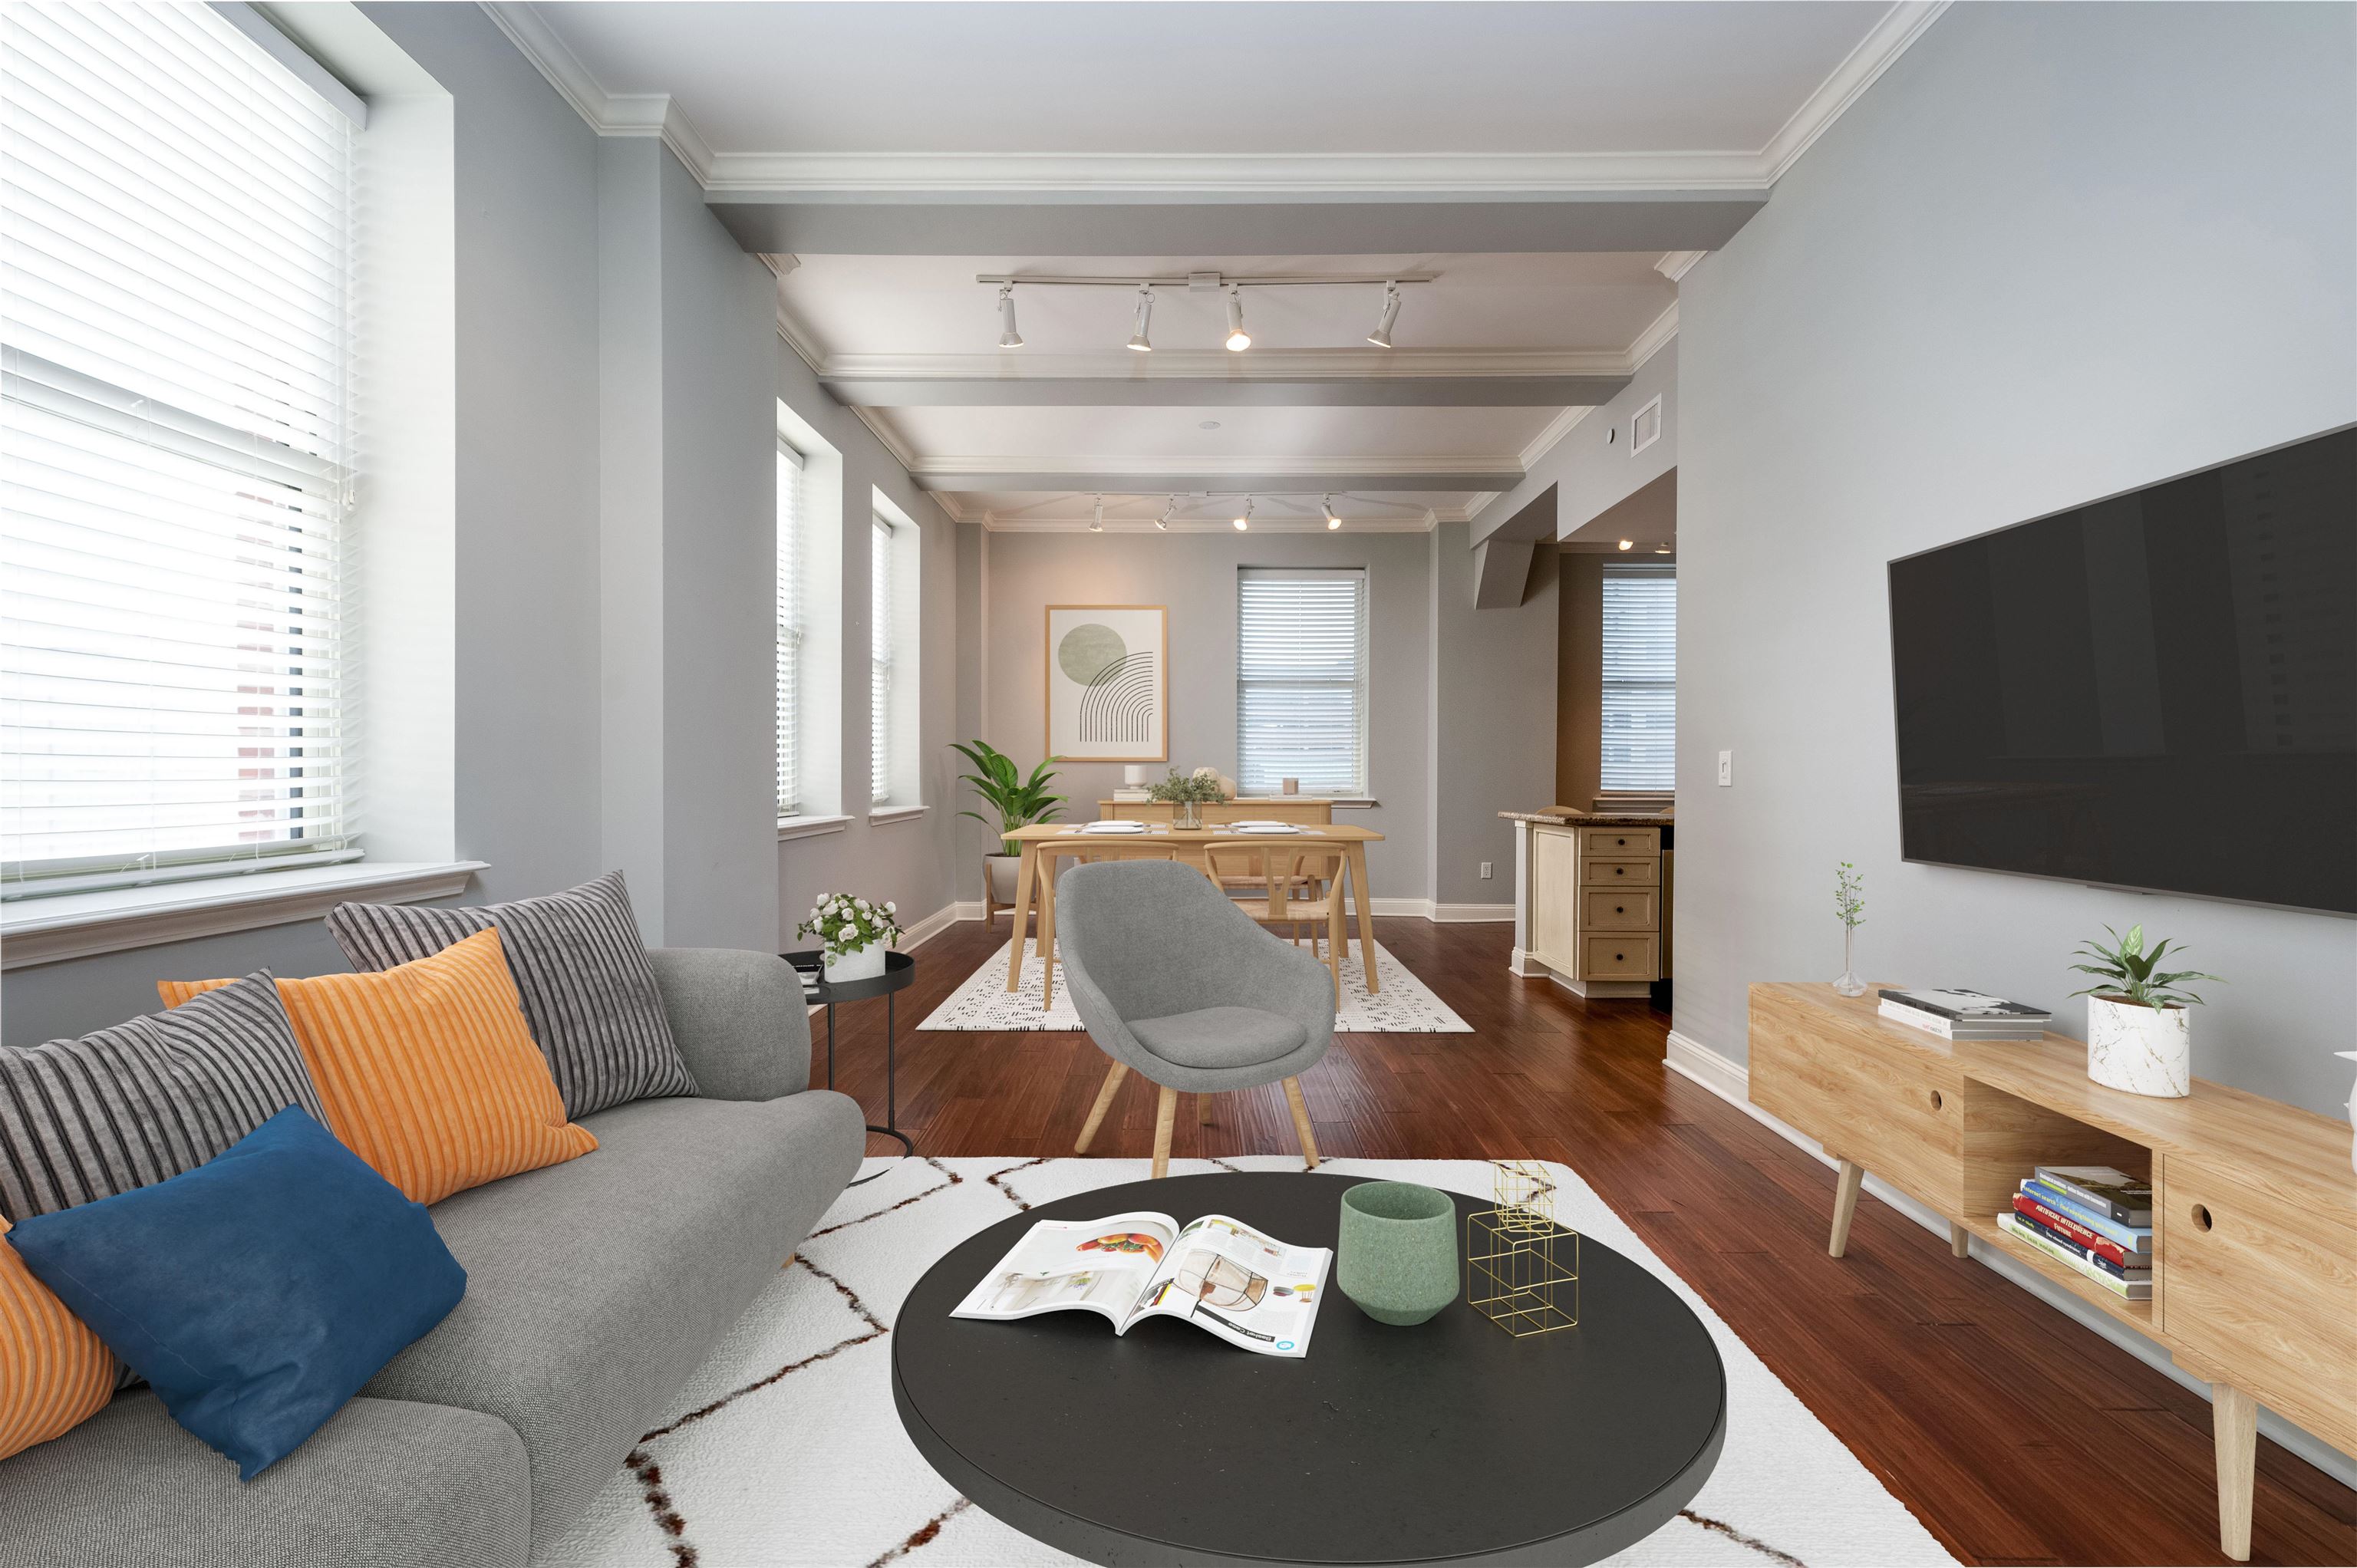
{"x": 791, "y": 629}
{"x": 1301, "y": 681}
{"x": 882, "y": 638}
{"x": 175, "y": 451}
{"x": 1641, "y": 676}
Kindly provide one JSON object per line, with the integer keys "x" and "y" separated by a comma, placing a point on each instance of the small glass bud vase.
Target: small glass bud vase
{"x": 1189, "y": 815}
{"x": 1849, "y": 985}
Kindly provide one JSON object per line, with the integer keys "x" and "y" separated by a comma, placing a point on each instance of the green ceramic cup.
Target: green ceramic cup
{"x": 1398, "y": 1255}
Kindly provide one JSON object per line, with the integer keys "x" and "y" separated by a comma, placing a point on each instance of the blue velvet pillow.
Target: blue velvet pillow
{"x": 257, "y": 1292}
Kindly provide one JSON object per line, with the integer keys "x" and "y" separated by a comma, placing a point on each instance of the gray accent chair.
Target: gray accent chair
{"x": 1177, "y": 984}
{"x": 594, "y": 1290}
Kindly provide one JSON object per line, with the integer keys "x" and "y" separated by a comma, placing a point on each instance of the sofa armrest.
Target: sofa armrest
{"x": 739, "y": 1019}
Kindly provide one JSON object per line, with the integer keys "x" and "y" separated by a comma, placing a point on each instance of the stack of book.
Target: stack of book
{"x": 1130, "y": 796}
{"x": 2092, "y": 1219}
{"x": 1966, "y": 1014}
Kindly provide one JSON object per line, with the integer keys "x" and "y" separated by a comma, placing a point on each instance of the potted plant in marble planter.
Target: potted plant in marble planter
{"x": 2139, "y": 1028}
{"x": 1016, "y": 801}
{"x": 854, "y": 934}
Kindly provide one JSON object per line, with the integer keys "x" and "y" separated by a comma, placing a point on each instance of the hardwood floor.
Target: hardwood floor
{"x": 2016, "y": 1435}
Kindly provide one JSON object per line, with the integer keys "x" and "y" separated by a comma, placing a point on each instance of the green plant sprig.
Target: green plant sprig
{"x": 1849, "y": 895}
{"x": 1202, "y": 787}
{"x": 1019, "y": 802}
{"x": 2133, "y": 975}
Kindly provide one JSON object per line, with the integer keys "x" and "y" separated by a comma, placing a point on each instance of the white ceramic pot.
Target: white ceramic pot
{"x": 860, "y": 963}
{"x": 1001, "y": 870}
{"x": 2351, "y": 1056}
{"x": 2144, "y": 1050}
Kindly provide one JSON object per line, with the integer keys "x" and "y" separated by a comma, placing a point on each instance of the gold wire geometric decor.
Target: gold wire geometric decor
{"x": 1522, "y": 1268}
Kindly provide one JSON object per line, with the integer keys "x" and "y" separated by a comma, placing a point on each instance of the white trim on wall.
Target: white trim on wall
{"x": 1731, "y": 1082}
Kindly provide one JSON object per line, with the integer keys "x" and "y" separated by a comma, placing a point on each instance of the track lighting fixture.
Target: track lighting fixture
{"x": 1137, "y": 339}
{"x": 1168, "y": 511}
{"x": 1096, "y": 523}
{"x": 1661, "y": 549}
{"x": 1238, "y": 339}
{"x": 1331, "y": 520}
{"x": 1627, "y": 544}
{"x": 1382, "y": 336}
{"x": 1007, "y": 336}
{"x": 1243, "y": 519}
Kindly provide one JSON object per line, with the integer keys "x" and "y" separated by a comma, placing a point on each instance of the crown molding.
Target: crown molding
{"x": 608, "y": 114}
{"x": 1650, "y": 340}
{"x": 1543, "y": 443}
{"x": 1311, "y": 468}
{"x": 1676, "y": 264}
{"x": 1884, "y": 43}
{"x": 1181, "y": 365}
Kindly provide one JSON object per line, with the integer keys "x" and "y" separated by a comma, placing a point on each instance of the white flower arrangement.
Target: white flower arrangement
{"x": 846, "y": 923}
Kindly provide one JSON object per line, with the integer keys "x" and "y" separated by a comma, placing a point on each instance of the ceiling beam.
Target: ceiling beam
{"x": 1224, "y": 224}
{"x": 1261, "y": 392}
{"x": 1142, "y": 480}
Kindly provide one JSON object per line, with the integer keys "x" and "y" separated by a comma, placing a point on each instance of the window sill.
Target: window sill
{"x": 1354, "y": 803}
{"x": 896, "y": 814}
{"x": 810, "y": 827}
{"x": 79, "y": 925}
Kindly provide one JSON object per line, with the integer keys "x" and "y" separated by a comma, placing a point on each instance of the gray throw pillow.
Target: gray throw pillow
{"x": 588, "y": 989}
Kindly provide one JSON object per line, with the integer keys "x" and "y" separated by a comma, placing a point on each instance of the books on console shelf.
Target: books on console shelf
{"x": 2080, "y": 1236}
{"x": 2125, "y": 1198}
{"x": 1966, "y": 1014}
{"x": 2098, "y": 1253}
{"x": 1133, "y": 796}
{"x": 2014, "y": 1224}
{"x": 2133, "y": 1238}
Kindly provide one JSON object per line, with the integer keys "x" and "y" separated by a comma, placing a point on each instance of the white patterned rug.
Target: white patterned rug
{"x": 785, "y": 1448}
{"x": 1404, "y": 1005}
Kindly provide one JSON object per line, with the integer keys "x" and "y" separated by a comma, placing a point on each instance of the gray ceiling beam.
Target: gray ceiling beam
{"x": 1147, "y": 482}
{"x": 1305, "y": 392}
{"x": 1064, "y": 223}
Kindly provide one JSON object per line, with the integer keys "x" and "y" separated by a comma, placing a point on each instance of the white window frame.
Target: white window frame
{"x": 793, "y": 629}
{"x": 1259, "y": 777}
{"x": 1639, "y": 683}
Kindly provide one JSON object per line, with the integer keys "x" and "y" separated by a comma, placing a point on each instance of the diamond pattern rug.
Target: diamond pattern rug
{"x": 786, "y": 1449}
{"x": 1404, "y": 1005}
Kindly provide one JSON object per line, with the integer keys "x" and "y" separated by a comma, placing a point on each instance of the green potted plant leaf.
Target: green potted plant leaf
{"x": 2139, "y": 1033}
{"x": 1016, "y": 801}
{"x": 1189, "y": 792}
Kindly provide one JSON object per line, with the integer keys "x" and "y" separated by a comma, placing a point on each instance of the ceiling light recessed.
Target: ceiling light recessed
{"x": 1137, "y": 339}
{"x": 1208, "y": 425}
{"x": 1333, "y": 522}
{"x": 1238, "y": 339}
{"x": 1627, "y": 544}
{"x": 1243, "y": 519}
{"x": 1007, "y": 336}
{"x": 1096, "y": 523}
{"x": 1382, "y": 336}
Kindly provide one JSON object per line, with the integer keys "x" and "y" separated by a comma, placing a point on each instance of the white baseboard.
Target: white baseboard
{"x": 934, "y": 924}
{"x": 1731, "y": 1082}
{"x": 1471, "y": 914}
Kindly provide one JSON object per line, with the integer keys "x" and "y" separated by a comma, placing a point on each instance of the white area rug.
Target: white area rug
{"x": 1404, "y": 1005}
{"x": 786, "y": 1448}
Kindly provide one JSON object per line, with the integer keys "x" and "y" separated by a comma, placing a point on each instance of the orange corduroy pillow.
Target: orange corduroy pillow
{"x": 55, "y": 1373}
{"x": 427, "y": 1072}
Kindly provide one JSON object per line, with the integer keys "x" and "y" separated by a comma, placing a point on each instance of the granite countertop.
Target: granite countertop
{"x": 1565, "y": 814}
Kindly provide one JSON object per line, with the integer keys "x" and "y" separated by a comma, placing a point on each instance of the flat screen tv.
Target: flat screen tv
{"x": 2158, "y": 691}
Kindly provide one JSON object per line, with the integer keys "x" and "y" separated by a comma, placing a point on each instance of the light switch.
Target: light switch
{"x": 1726, "y": 767}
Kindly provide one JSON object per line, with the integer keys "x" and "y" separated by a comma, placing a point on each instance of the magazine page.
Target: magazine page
{"x": 1102, "y": 1265}
{"x": 1250, "y": 1290}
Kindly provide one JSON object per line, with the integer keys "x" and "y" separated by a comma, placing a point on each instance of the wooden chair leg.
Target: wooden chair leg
{"x": 1164, "y": 1113}
{"x": 1113, "y": 1074}
{"x": 1202, "y": 1110}
{"x": 1301, "y": 1122}
{"x": 1048, "y": 939}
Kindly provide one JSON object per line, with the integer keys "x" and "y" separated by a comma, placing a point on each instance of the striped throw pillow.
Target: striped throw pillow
{"x": 55, "y": 1373}
{"x": 427, "y": 1070}
{"x": 588, "y": 989}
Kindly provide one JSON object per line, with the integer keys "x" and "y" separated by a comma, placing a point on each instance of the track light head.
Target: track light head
{"x": 1243, "y": 519}
{"x": 1628, "y": 545}
{"x": 1007, "y": 336}
{"x": 1382, "y": 336}
{"x": 1168, "y": 511}
{"x": 1137, "y": 339}
{"x": 1238, "y": 339}
{"x": 1096, "y": 523}
{"x": 1333, "y": 522}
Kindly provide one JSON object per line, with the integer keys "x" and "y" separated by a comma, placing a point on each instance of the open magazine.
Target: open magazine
{"x": 1216, "y": 1271}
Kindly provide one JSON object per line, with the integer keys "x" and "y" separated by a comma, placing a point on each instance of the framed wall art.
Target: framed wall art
{"x": 1109, "y": 682}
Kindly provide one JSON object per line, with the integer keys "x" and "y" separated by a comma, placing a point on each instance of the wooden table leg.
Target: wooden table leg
{"x": 1023, "y": 871}
{"x": 1845, "y": 1204}
{"x": 2235, "y": 1428}
{"x": 1358, "y": 857}
{"x": 1960, "y": 1240}
{"x": 1047, "y": 932}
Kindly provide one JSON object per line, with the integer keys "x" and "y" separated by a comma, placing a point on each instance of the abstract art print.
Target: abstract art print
{"x": 1108, "y": 683}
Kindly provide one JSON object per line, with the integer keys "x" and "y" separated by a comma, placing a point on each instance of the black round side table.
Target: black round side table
{"x": 900, "y": 973}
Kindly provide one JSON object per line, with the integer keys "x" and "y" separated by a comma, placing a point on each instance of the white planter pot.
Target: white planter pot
{"x": 1001, "y": 869}
{"x": 860, "y": 963}
{"x": 2144, "y": 1050}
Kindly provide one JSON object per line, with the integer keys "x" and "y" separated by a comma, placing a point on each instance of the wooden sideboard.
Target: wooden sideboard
{"x": 1592, "y": 900}
{"x": 1246, "y": 808}
{"x": 2255, "y": 1207}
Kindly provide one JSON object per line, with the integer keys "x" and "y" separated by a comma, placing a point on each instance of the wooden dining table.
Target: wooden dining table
{"x": 1186, "y": 847}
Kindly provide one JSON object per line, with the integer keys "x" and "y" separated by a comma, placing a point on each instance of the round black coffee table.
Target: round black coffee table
{"x": 1451, "y": 1442}
{"x": 899, "y": 971}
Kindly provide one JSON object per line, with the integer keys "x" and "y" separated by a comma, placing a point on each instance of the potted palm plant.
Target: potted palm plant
{"x": 1015, "y": 801}
{"x": 2139, "y": 1034}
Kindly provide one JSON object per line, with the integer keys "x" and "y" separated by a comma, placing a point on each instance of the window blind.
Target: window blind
{"x": 881, "y": 637}
{"x": 1301, "y": 681}
{"x": 1641, "y": 676}
{"x": 175, "y": 451}
{"x": 790, "y": 630}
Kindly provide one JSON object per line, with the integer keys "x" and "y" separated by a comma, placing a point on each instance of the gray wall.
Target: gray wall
{"x": 1195, "y": 574}
{"x": 1597, "y": 465}
{"x": 2058, "y": 251}
{"x": 1493, "y": 721}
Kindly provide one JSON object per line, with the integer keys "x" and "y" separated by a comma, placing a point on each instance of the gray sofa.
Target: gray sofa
{"x": 594, "y": 1288}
